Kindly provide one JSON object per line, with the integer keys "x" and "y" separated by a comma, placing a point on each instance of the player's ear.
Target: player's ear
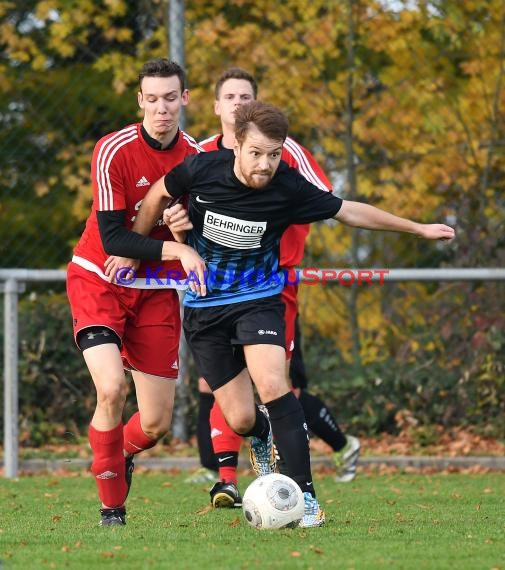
{"x": 185, "y": 97}
{"x": 140, "y": 99}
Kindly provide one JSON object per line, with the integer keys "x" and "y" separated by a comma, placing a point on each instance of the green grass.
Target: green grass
{"x": 402, "y": 521}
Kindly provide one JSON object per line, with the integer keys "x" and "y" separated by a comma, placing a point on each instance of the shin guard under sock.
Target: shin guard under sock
{"x": 292, "y": 439}
{"x": 135, "y": 440}
{"x": 108, "y": 466}
{"x": 321, "y": 422}
{"x": 226, "y": 444}
{"x": 223, "y": 437}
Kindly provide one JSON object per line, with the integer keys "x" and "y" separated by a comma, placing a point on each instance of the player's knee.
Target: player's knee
{"x": 242, "y": 422}
{"x": 157, "y": 427}
{"x": 112, "y": 394}
{"x": 273, "y": 388}
{"x": 156, "y": 432}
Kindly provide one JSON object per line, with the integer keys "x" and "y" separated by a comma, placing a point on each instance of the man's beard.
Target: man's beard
{"x": 253, "y": 182}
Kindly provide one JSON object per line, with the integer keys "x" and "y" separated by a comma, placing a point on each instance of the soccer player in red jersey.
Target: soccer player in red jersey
{"x": 126, "y": 319}
{"x": 219, "y": 445}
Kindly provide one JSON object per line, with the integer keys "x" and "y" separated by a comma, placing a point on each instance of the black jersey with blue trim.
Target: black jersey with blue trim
{"x": 237, "y": 229}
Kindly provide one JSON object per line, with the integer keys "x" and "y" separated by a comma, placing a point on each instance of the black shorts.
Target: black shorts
{"x": 216, "y": 335}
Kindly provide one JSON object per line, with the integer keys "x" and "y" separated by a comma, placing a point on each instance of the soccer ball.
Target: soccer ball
{"x": 273, "y": 501}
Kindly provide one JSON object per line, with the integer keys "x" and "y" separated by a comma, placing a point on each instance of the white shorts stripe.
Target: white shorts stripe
{"x": 139, "y": 283}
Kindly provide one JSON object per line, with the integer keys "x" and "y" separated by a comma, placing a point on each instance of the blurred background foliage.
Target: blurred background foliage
{"x": 402, "y": 102}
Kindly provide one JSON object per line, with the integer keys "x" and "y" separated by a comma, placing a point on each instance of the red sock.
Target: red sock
{"x": 228, "y": 474}
{"x": 108, "y": 465}
{"x": 224, "y": 440}
{"x": 135, "y": 440}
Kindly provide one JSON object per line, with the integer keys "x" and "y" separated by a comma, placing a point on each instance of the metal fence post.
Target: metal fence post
{"x": 177, "y": 53}
{"x": 179, "y": 419}
{"x": 176, "y": 40}
{"x": 11, "y": 378}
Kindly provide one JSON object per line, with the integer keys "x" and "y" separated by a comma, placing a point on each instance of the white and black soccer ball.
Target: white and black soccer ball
{"x": 273, "y": 501}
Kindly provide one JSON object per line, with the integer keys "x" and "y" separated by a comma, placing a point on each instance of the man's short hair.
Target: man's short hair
{"x": 162, "y": 67}
{"x": 269, "y": 120}
{"x": 235, "y": 73}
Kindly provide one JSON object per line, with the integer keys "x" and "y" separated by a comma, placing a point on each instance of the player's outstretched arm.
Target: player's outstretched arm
{"x": 369, "y": 217}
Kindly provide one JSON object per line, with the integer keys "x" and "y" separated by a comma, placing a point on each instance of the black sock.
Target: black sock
{"x": 292, "y": 439}
{"x": 260, "y": 428}
{"x": 321, "y": 422}
{"x": 205, "y": 449}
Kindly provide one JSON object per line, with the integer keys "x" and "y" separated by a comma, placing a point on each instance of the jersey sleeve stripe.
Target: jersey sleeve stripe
{"x": 192, "y": 142}
{"x": 209, "y": 140}
{"x": 304, "y": 166}
{"x": 104, "y": 158}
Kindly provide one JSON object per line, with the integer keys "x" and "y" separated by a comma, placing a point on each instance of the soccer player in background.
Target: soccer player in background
{"x": 218, "y": 444}
{"x": 137, "y": 326}
{"x": 240, "y": 205}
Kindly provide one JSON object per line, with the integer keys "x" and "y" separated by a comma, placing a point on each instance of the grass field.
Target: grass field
{"x": 402, "y": 521}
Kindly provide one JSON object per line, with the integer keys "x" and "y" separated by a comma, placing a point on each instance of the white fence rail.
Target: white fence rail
{"x": 13, "y": 282}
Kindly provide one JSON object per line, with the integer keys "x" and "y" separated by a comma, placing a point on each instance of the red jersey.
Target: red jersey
{"x": 297, "y": 156}
{"x": 123, "y": 168}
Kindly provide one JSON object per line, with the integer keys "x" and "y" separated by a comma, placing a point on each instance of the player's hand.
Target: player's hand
{"x": 437, "y": 231}
{"x": 177, "y": 219}
{"x": 195, "y": 268}
{"x": 120, "y": 269}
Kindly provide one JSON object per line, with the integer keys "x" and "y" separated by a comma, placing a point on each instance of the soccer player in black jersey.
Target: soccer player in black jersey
{"x": 239, "y": 206}
{"x": 218, "y": 444}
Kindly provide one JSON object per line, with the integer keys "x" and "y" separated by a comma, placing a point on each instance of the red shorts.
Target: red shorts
{"x": 146, "y": 320}
{"x": 288, "y": 296}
